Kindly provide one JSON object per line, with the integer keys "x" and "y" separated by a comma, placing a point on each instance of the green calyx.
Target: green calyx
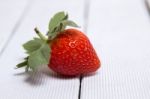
{"x": 38, "y": 49}
{"x": 58, "y": 23}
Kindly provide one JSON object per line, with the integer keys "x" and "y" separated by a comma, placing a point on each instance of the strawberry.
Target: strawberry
{"x": 73, "y": 54}
{"x": 66, "y": 51}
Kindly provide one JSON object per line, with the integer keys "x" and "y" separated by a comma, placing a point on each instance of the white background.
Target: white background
{"x": 118, "y": 29}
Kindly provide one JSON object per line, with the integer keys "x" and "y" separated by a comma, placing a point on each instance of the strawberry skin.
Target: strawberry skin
{"x": 72, "y": 54}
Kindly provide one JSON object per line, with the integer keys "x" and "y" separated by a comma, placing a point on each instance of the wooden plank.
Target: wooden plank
{"x": 10, "y": 13}
{"x": 44, "y": 84}
{"x": 120, "y": 32}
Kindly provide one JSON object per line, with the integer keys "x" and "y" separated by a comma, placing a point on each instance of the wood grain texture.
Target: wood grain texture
{"x": 10, "y": 14}
{"x": 42, "y": 85}
{"x": 120, "y": 33}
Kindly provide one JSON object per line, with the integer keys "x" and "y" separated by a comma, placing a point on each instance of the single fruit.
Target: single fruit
{"x": 73, "y": 54}
{"x": 66, "y": 51}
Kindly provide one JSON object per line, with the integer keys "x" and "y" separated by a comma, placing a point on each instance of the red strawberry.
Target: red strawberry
{"x": 66, "y": 51}
{"x": 73, "y": 54}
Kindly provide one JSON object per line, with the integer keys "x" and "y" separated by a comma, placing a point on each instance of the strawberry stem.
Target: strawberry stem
{"x": 40, "y": 34}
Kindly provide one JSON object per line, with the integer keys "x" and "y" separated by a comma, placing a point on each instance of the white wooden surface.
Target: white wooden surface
{"x": 17, "y": 85}
{"x": 120, "y": 32}
{"x": 118, "y": 29}
{"x": 10, "y": 14}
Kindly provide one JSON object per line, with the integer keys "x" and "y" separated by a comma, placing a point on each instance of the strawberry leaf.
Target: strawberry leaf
{"x": 58, "y": 23}
{"x": 66, "y": 17}
{"x": 58, "y": 17}
{"x": 69, "y": 23}
{"x": 32, "y": 45}
{"x": 39, "y": 54}
{"x": 39, "y": 57}
{"x": 56, "y": 31}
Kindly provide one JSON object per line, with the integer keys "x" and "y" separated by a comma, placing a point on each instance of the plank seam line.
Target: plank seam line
{"x": 17, "y": 25}
{"x": 85, "y": 27}
{"x": 147, "y": 6}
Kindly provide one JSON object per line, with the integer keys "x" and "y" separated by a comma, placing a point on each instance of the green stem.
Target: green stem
{"x": 40, "y": 34}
